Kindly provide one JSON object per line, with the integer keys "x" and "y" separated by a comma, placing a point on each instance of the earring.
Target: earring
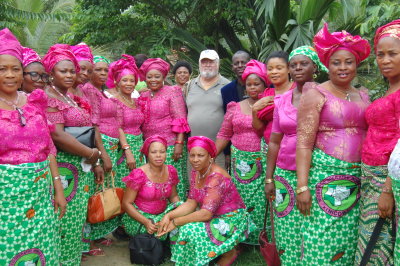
{"x": 314, "y": 76}
{"x": 51, "y": 78}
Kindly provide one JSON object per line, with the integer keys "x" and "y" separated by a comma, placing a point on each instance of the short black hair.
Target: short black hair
{"x": 182, "y": 63}
{"x": 278, "y": 54}
{"x": 139, "y": 59}
{"x": 241, "y": 52}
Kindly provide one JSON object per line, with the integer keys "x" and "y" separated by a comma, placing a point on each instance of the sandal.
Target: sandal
{"x": 105, "y": 242}
{"x": 96, "y": 252}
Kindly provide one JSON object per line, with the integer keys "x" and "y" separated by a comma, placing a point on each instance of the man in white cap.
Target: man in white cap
{"x": 204, "y": 101}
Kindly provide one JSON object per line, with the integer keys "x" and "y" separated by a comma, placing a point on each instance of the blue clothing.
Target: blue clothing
{"x": 230, "y": 93}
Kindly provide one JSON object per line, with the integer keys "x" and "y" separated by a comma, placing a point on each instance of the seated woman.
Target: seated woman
{"x": 149, "y": 188}
{"x": 220, "y": 223}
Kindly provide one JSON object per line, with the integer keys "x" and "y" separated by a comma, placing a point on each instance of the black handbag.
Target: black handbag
{"x": 84, "y": 135}
{"x": 146, "y": 249}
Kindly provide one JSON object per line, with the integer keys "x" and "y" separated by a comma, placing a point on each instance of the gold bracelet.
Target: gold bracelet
{"x": 301, "y": 189}
{"x": 56, "y": 178}
{"x": 269, "y": 181}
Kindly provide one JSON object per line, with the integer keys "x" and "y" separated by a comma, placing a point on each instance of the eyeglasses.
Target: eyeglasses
{"x": 36, "y": 76}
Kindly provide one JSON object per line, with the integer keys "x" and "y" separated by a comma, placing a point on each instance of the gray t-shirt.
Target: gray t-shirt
{"x": 205, "y": 111}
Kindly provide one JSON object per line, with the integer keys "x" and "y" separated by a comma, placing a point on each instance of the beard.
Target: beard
{"x": 209, "y": 74}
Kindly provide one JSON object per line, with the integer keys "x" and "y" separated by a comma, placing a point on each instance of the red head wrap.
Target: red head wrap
{"x": 124, "y": 66}
{"x": 391, "y": 29}
{"x": 9, "y": 44}
{"x": 57, "y": 53}
{"x": 154, "y": 63}
{"x": 82, "y": 52}
{"x": 146, "y": 145}
{"x": 326, "y": 44}
{"x": 29, "y": 56}
{"x": 258, "y": 68}
{"x": 203, "y": 142}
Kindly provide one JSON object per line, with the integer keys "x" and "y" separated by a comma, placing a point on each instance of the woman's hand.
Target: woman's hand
{"x": 270, "y": 191}
{"x": 163, "y": 224}
{"x": 150, "y": 227}
{"x": 130, "y": 160}
{"x": 303, "y": 202}
{"x": 60, "y": 203}
{"x": 94, "y": 157}
{"x": 107, "y": 165}
{"x": 262, "y": 103}
{"x": 178, "y": 148}
{"x": 98, "y": 174}
{"x": 168, "y": 229}
{"x": 385, "y": 205}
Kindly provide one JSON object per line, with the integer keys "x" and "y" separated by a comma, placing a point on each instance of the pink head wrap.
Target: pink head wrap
{"x": 326, "y": 44}
{"x": 29, "y": 56}
{"x": 154, "y": 63}
{"x": 82, "y": 52}
{"x": 203, "y": 142}
{"x": 124, "y": 66}
{"x": 146, "y": 145}
{"x": 391, "y": 29}
{"x": 57, "y": 53}
{"x": 258, "y": 68}
{"x": 9, "y": 44}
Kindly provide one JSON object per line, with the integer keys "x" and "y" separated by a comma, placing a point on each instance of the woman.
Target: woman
{"x": 28, "y": 230}
{"x": 281, "y": 179}
{"x": 383, "y": 132}
{"x": 84, "y": 56}
{"x": 220, "y": 223}
{"x": 149, "y": 188}
{"x": 247, "y": 159}
{"x": 181, "y": 71}
{"x": 35, "y": 77}
{"x": 165, "y": 115}
{"x": 330, "y": 130}
{"x": 123, "y": 75}
{"x": 66, "y": 110}
{"x": 278, "y": 75}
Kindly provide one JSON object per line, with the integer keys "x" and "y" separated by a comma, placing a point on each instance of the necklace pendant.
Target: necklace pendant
{"x": 348, "y": 97}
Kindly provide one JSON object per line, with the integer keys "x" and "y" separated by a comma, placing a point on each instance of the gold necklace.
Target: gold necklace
{"x": 68, "y": 99}
{"x": 202, "y": 176}
{"x": 131, "y": 102}
{"x": 346, "y": 94}
{"x": 161, "y": 174}
{"x": 250, "y": 105}
{"x": 14, "y": 104}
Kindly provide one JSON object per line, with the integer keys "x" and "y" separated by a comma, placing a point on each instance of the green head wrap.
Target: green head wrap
{"x": 99, "y": 58}
{"x": 310, "y": 53}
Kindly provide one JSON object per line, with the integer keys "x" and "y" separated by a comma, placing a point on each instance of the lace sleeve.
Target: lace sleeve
{"x": 173, "y": 175}
{"x": 135, "y": 180}
{"x": 178, "y": 111}
{"x": 276, "y": 128}
{"x": 308, "y": 115}
{"x": 226, "y": 130}
{"x": 93, "y": 96}
{"x": 214, "y": 192}
{"x": 55, "y": 117}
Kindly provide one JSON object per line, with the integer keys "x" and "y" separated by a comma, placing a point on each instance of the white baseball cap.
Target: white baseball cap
{"x": 209, "y": 54}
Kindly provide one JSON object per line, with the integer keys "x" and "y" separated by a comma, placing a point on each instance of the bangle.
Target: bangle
{"x": 178, "y": 142}
{"x": 173, "y": 222}
{"x": 269, "y": 181}
{"x": 90, "y": 157}
{"x": 386, "y": 189}
{"x": 97, "y": 163}
{"x": 126, "y": 147}
{"x": 56, "y": 178}
{"x": 301, "y": 189}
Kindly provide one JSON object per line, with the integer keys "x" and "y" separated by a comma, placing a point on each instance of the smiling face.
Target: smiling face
{"x": 182, "y": 75}
{"x": 278, "y": 71}
{"x": 199, "y": 158}
{"x": 239, "y": 62}
{"x": 388, "y": 57}
{"x": 10, "y": 74}
{"x": 100, "y": 72}
{"x": 33, "y": 74}
{"x": 64, "y": 75}
{"x": 85, "y": 73}
{"x": 342, "y": 68}
{"x": 208, "y": 68}
{"x": 157, "y": 154}
{"x": 127, "y": 84}
{"x": 301, "y": 69}
{"x": 154, "y": 80}
{"x": 254, "y": 86}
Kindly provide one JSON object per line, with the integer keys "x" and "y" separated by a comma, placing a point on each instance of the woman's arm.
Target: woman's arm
{"x": 59, "y": 198}
{"x": 178, "y": 147}
{"x": 257, "y": 123}
{"x": 225, "y": 132}
{"x": 272, "y": 156}
{"x": 107, "y": 165}
{"x": 174, "y": 195}
{"x": 130, "y": 159}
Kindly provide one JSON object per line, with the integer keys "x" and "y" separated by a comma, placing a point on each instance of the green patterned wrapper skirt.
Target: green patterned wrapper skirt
{"x": 372, "y": 180}
{"x": 135, "y": 142}
{"x": 181, "y": 168}
{"x": 396, "y": 193}
{"x": 287, "y": 219}
{"x": 28, "y": 224}
{"x": 330, "y": 233}
{"x": 76, "y": 190}
{"x": 99, "y": 230}
{"x": 200, "y": 242}
{"x": 133, "y": 227}
{"x": 248, "y": 173}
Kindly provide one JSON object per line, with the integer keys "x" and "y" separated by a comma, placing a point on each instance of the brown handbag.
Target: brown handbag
{"x": 106, "y": 203}
{"x": 268, "y": 249}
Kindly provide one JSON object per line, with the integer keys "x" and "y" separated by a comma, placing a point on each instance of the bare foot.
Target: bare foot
{"x": 228, "y": 258}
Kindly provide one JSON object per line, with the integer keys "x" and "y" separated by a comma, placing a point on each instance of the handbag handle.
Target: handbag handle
{"x": 271, "y": 209}
{"x": 110, "y": 183}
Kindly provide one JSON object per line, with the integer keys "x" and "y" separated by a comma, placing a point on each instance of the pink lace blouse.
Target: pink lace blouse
{"x": 132, "y": 119}
{"x": 165, "y": 113}
{"x": 106, "y": 113}
{"x": 383, "y": 117}
{"x": 31, "y": 143}
{"x": 151, "y": 197}
{"x": 237, "y": 128}
{"x": 69, "y": 115}
{"x": 334, "y": 125}
{"x": 218, "y": 195}
{"x": 285, "y": 122}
